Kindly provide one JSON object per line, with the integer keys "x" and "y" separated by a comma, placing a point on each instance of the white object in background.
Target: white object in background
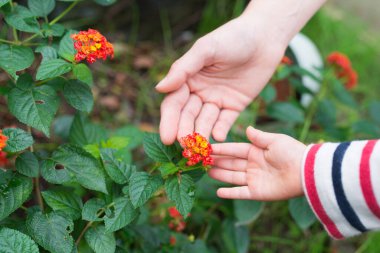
{"x": 309, "y": 58}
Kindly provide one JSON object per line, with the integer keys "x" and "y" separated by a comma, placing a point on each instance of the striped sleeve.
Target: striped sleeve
{"x": 342, "y": 184}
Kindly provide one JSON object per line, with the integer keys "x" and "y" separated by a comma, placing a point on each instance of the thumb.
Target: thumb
{"x": 259, "y": 138}
{"x": 199, "y": 56}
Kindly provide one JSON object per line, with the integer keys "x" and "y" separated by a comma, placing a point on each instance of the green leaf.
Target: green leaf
{"x": 66, "y": 47}
{"x": 56, "y": 30}
{"x": 52, "y": 68}
{"x": 27, "y": 164}
{"x": 268, "y": 94}
{"x": 83, "y": 73}
{"x": 105, "y": 2}
{"x": 247, "y": 211}
{"x": 13, "y": 241}
{"x": 61, "y": 126}
{"x": 168, "y": 169}
{"x": 54, "y": 173}
{"x": 15, "y": 58}
{"x": 83, "y": 132}
{"x": 22, "y": 19}
{"x": 47, "y": 52}
{"x": 64, "y": 201}
{"x": 82, "y": 167}
{"x": 197, "y": 246}
{"x": 99, "y": 240}
{"x": 142, "y": 186}
{"x": 286, "y": 112}
{"x": 116, "y": 142}
{"x": 18, "y": 140}
{"x": 181, "y": 191}
{"x": 78, "y": 95}
{"x": 235, "y": 238}
{"x": 301, "y": 212}
{"x": 124, "y": 214}
{"x": 13, "y": 193}
{"x": 374, "y": 109}
{"x": 51, "y": 231}
{"x": 3, "y": 2}
{"x": 35, "y": 107}
{"x": 41, "y": 8}
{"x": 343, "y": 95}
{"x": 156, "y": 150}
{"x": 92, "y": 208}
{"x": 366, "y": 129}
{"x": 133, "y": 133}
{"x": 119, "y": 171}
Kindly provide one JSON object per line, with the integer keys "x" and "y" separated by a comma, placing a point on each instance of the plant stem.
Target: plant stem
{"x": 89, "y": 224}
{"x": 312, "y": 110}
{"x": 8, "y": 42}
{"x": 59, "y": 17}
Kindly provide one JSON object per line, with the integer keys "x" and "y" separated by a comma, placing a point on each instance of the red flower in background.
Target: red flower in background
{"x": 196, "y": 149}
{"x": 91, "y": 45}
{"x": 3, "y": 159}
{"x": 343, "y": 69}
{"x": 177, "y": 222}
{"x": 3, "y": 140}
{"x": 286, "y": 60}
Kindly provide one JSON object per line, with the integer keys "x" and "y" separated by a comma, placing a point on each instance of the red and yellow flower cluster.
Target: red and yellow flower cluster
{"x": 196, "y": 149}
{"x": 343, "y": 69}
{"x": 286, "y": 60}
{"x": 177, "y": 223}
{"x": 91, "y": 45}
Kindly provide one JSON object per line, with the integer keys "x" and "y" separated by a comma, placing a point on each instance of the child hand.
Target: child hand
{"x": 268, "y": 169}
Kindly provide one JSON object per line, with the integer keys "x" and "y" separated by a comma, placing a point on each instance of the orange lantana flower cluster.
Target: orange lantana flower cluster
{"x": 91, "y": 45}
{"x": 196, "y": 149}
{"x": 3, "y": 140}
{"x": 343, "y": 69}
{"x": 286, "y": 60}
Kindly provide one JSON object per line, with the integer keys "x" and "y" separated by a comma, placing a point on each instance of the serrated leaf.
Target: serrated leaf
{"x": 52, "y": 68}
{"x": 168, "y": 169}
{"x": 82, "y": 167}
{"x": 15, "y": 58}
{"x": 115, "y": 142}
{"x": 156, "y": 150}
{"x": 286, "y": 112}
{"x": 99, "y": 240}
{"x": 13, "y": 193}
{"x": 247, "y": 211}
{"x": 181, "y": 191}
{"x": 134, "y": 134}
{"x": 124, "y": 214}
{"x": 22, "y": 19}
{"x": 18, "y": 140}
{"x": 41, "y": 8}
{"x": 301, "y": 212}
{"x": 51, "y": 231}
{"x": 35, "y": 107}
{"x": 83, "y": 73}
{"x": 83, "y": 132}
{"x": 64, "y": 201}
{"x": 66, "y": 47}
{"x": 13, "y": 241}
{"x": 47, "y": 52}
{"x": 142, "y": 186}
{"x": 78, "y": 95}
{"x": 3, "y": 2}
{"x": 54, "y": 175}
{"x": 56, "y": 30}
{"x": 27, "y": 164}
{"x": 92, "y": 208}
{"x": 118, "y": 171}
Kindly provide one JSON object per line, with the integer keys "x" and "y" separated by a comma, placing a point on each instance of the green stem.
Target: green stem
{"x": 313, "y": 109}
{"x": 89, "y": 224}
{"x": 255, "y": 110}
{"x": 8, "y": 42}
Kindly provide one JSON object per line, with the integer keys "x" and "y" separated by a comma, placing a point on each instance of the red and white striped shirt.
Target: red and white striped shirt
{"x": 342, "y": 184}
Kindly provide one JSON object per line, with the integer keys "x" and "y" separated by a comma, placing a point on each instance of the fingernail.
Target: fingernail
{"x": 160, "y": 84}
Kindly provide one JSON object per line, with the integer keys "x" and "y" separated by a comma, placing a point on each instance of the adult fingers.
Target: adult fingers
{"x": 206, "y": 119}
{"x": 229, "y": 163}
{"x": 199, "y": 56}
{"x": 228, "y": 176}
{"x": 238, "y": 150}
{"x": 188, "y": 115}
{"x": 223, "y": 124}
{"x": 240, "y": 192}
{"x": 171, "y": 108}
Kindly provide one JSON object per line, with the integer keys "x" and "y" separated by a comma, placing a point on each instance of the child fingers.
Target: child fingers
{"x": 239, "y": 150}
{"x": 228, "y": 176}
{"x": 240, "y": 192}
{"x": 230, "y": 163}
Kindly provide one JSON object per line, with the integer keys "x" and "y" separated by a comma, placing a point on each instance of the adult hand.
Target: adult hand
{"x": 216, "y": 79}
{"x": 268, "y": 169}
